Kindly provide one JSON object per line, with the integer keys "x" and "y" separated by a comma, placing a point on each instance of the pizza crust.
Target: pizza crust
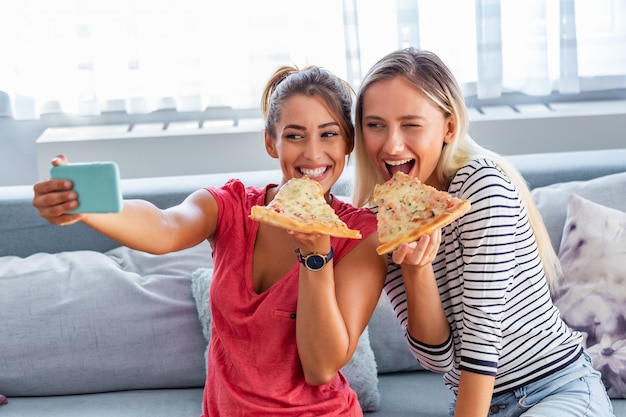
{"x": 264, "y": 215}
{"x": 414, "y": 235}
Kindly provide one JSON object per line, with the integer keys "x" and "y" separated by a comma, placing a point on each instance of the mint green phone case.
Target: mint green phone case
{"x": 96, "y": 183}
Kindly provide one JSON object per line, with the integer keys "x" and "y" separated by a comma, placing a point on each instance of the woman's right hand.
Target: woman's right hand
{"x": 54, "y": 198}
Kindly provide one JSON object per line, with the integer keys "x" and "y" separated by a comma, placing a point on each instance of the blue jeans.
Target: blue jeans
{"x": 576, "y": 391}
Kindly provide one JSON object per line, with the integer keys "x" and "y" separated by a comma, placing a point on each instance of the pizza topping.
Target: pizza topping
{"x": 409, "y": 209}
{"x": 300, "y": 205}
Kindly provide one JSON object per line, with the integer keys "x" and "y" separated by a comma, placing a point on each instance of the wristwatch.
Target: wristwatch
{"x": 315, "y": 261}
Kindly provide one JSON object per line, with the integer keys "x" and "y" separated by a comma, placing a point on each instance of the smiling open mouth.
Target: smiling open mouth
{"x": 404, "y": 165}
{"x": 313, "y": 173}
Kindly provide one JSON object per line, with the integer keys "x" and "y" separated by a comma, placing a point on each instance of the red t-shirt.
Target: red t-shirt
{"x": 253, "y": 364}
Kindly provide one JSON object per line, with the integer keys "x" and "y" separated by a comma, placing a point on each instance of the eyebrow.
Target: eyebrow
{"x": 322, "y": 126}
{"x": 403, "y": 118}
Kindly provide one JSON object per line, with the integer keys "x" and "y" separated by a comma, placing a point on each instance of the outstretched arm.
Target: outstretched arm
{"x": 140, "y": 225}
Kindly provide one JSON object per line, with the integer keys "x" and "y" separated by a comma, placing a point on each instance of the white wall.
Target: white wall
{"x": 153, "y": 152}
{"x": 528, "y": 129}
{"x": 562, "y": 127}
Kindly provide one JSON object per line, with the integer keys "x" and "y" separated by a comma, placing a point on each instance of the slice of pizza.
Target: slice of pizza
{"x": 409, "y": 209}
{"x": 300, "y": 205}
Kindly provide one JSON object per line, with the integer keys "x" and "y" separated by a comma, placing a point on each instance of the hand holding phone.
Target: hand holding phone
{"x": 95, "y": 183}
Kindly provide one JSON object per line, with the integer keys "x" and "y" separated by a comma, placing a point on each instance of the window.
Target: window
{"x": 90, "y": 56}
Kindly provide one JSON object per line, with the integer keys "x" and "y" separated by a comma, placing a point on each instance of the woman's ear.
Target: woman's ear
{"x": 270, "y": 145}
{"x": 450, "y": 129}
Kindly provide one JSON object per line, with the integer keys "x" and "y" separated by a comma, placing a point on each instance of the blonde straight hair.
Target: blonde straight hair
{"x": 429, "y": 75}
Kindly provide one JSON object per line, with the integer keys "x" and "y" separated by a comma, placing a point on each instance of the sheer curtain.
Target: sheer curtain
{"x": 89, "y": 56}
{"x": 535, "y": 47}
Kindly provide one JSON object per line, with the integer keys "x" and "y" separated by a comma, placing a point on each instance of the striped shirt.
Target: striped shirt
{"x": 493, "y": 289}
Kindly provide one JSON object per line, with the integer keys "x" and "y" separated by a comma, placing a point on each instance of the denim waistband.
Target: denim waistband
{"x": 543, "y": 375}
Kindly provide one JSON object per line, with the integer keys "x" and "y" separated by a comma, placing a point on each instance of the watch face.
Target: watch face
{"x": 315, "y": 262}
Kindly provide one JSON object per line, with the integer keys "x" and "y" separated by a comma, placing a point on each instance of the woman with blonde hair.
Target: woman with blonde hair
{"x": 474, "y": 297}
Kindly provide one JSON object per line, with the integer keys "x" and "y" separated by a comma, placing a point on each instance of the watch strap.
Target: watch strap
{"x": 304, "y": 259}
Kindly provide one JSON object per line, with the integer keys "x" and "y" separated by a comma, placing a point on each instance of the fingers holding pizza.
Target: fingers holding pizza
{"x": 419, "y": 253}
{"x": 310, "y": 242}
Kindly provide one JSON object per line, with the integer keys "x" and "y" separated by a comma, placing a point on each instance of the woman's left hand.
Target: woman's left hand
{"x": 419, "y": 253}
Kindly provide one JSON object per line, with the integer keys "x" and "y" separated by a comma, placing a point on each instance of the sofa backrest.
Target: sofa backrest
{"x": 23, "y": 232}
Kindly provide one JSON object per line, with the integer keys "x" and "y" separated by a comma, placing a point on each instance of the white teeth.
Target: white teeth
{"x": 396, "y": 163}
{"x": 313, "y": 172}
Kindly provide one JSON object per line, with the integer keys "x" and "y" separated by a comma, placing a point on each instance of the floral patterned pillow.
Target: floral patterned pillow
{"x": 592, "y": 295}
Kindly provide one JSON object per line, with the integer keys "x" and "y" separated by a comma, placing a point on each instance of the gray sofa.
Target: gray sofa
{"x": 88, "y": 328}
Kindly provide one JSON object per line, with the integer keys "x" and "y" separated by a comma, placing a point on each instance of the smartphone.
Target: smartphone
{"x": 96, "y": 183}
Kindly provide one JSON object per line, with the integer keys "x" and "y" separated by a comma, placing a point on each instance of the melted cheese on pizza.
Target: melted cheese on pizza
{"x": 406, "y": 204}
{"x": 303, "y": 200}
{"x": 300, "y": 205}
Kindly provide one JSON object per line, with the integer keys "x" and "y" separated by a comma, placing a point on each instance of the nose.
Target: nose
{"x": 313, "y": 149}
{"x": 394, "y": 142}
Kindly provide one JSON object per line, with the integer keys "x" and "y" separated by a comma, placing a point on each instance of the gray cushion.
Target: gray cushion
{"x": 552, "y": 200}
{"x": 90, "y": 325}
{"x": 141, "y": 403}
{"x": 362, "y": 375}
{"x": 388, "y": 341}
